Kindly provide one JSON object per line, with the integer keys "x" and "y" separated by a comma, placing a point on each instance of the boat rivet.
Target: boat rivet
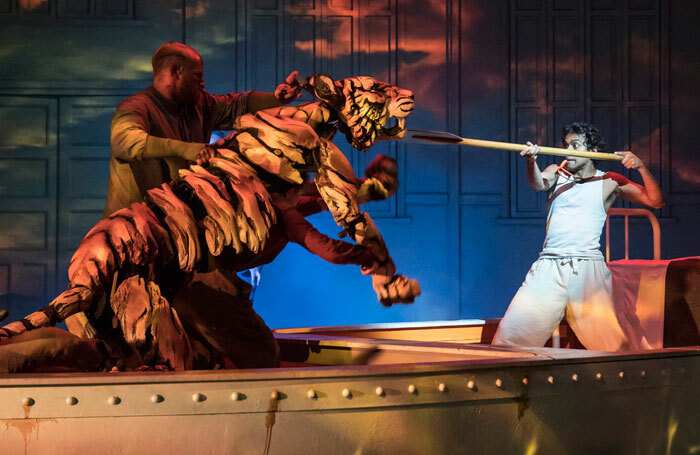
{"x": 28, "y": 401}
{"x": 275, "y": 395}
{"x": 643, "y": 373}
{"x": 114, "y": 400}
{"x": 346, "y": 393}
{"x": 412, "y": 389}
{"x": 442, "y": 387}
{"x": 379, "y": 391}
{"x": 156, "y": 398}
{"x": 598, "y": 376}
{"x": 550, "y": 379}
{"x": 235, "y": 396}
{"x": 471, "y": 385}
{"x": 311, "y": 394}
{"x": 499, "y": 383}
{"x": 197, "y": 397}
{"x": 525, "y": 381}
{"x": 621, "y": 374}
{"x": 70, "y": 401}
{"x": 574, "y": 377}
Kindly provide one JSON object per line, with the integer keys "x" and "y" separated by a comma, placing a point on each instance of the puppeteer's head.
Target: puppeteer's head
{"x": 581, "y": 136}
{"x": 179, "y": 68}
{"x": 365, "y": 107}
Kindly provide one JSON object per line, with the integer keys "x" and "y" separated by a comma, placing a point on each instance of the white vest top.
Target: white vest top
{"x": 575, "y": 218}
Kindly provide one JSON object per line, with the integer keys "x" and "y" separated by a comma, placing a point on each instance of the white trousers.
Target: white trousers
{"x": 580, "y": 289}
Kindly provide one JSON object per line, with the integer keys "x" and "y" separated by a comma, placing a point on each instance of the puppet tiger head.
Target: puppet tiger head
{"x": 365, "y": 107}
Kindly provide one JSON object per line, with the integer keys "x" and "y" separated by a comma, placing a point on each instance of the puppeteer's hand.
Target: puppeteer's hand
{"x": 288, "y": 90}
{"x": 531, "y": 151}
{"x": 386, "y": 170}
{"x": 208, "y": 152}
{"x": 382, "y": 180}
{"x": 630, "y": 160}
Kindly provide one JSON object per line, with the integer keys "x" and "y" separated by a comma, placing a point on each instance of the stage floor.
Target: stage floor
{"x": 384, "y": 389}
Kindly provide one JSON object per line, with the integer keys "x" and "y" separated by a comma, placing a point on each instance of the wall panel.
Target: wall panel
{"x": 641, "y": 4}
{"x": 562, "y": 116}
{"x": 527, "y": 125}
{"x": 342, "y": 4}
{"x": 23, "y": 177}
{"x": 74, "y": 7}
{"x": 566, "y": 59}
{"x": 25, "y": 125}
{"x": 29, "y": 288}
{"x": 303, "y": 4}
{"x": 604, "y": 5}
{"x": 527, "y": 59}
{"x": 84, "y": 170}
{"x": 302, "y": 44}
{"x": 643, "y": 141}
{"x": 264, "y": 58}
{"x": 28, "y": 182}
{"x": 23, "y": 231}
{"x": 338, "y": 34}
{"x": 37, "y": 7}
{"x": 4, "y": 286}
{"x": 606, "y": 119}
{"x": 114, "y": 8}
{"x": 265, "y": 4}
{"x": 604, "y": 72}
{"x": 378, "y": 49}
{"x": 643, "y": 71}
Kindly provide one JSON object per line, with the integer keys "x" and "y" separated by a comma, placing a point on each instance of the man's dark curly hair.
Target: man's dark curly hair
{"x": 594, "y": 140}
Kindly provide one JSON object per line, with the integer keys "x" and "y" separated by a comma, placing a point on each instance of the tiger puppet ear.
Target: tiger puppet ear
{"x": 324, "y": 88}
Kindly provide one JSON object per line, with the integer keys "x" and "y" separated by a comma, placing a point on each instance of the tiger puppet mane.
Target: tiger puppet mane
{"x": 225, "y": 206}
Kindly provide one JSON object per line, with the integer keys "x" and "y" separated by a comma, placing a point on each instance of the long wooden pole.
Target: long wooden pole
{"x": 448, "y": 138}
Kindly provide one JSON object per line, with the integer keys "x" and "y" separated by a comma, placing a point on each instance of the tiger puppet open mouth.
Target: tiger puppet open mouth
{"x": 365, "y": 106}
{"x": 224, "y": 208}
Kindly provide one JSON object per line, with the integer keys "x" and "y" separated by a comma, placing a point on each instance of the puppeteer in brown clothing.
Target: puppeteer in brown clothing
{"x": 153, "y": 137}
{"x": 158, "y": 131}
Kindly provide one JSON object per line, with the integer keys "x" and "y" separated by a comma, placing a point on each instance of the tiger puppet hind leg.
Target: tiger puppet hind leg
{"x": 133, "y": 261}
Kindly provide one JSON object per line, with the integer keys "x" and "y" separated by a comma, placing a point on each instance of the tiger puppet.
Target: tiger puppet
{"x": 132, "y": 261}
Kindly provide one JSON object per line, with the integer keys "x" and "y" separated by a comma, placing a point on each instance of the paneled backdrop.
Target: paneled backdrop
{"x": 464, "y": 222}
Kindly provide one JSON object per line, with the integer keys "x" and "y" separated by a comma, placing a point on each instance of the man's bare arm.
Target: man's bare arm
{"x": 538, "y": 180}
{"x": 647, "y": 194}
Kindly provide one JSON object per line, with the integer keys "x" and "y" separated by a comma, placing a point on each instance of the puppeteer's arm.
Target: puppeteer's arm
{"x": 285, "y": 93}
{"x": 303, "y": 233}
{"x": 131, "y": 142}
{"x": 648, "y": 194}
{"x": 310, "y": 205}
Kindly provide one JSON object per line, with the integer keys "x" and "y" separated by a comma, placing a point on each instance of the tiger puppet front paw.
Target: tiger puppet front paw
{"x": 395, "y": 289}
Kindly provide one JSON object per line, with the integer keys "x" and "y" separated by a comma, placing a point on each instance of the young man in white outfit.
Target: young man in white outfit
{"x": 570, "y": 277}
